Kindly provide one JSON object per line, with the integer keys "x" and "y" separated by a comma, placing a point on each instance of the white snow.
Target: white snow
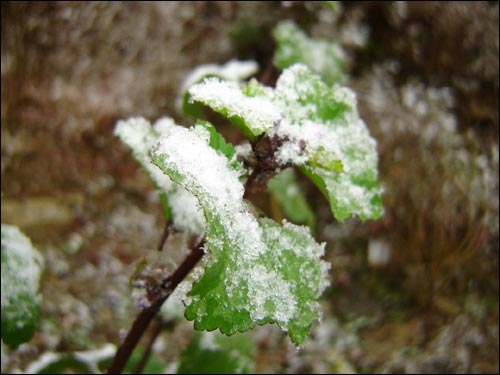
{"x": 138, "y": 134}
{"x": 22, "y": 266}
{"x": 257, "y": 111}
{"x": 233, "y": 70}
{"x": 205, "y": 173}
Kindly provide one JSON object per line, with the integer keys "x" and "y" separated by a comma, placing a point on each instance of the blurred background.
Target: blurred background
{"x": 416, "y": 291}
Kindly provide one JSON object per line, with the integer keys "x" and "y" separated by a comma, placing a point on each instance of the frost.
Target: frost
{"x": 253, "y": 272}
{"x": 140, "y": 136}
{"x": 22, "y": 266}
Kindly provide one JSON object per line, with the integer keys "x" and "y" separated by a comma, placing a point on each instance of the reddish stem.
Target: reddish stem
{"x": 145, "y": 317}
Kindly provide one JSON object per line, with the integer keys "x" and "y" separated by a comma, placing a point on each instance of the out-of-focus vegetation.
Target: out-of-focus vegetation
{"x": 415, "y": 291}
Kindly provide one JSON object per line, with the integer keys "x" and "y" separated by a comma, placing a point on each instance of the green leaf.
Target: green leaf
{"x": 258, "y": 272}
{"x": 180, "y": 208}
{"x": 213, "y": 353}
{"x": 231, "y": 71}
{"x": 22, "y": 266}
{"x": 320, "y": 130}
{"x": 323, "y": 57}
{"x": 218, "y": 143}
{"x": 285, "y": 188}
{"x": 250, "y": 109}
{"x": 338, "y": 155}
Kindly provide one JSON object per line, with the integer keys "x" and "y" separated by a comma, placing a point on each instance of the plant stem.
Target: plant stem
{"x": 155, "y": 332}
{"x": 164, "y": 237}
{"x": 145, "y": 317}
{"x": 250, "y": 181}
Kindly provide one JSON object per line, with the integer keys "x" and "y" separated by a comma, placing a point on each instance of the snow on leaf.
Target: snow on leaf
{"x": 217, "y": 142}
{"x": 22, "y": 266}
{"x": 339, "y": 155}
{"x": 321, "y": 56}
{"x": 233, "y": 70}
{"x": 250, "y": 110}
{"x": 180, "y": 207}
{"x": 321, "y": 131}
{"x": 258, "y": 272}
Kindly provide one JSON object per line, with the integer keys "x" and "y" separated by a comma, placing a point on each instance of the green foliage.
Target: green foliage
{"x": 259, "y": 271}
{"x": 252, "y": 276}
{"x": 231, "y": 71}
{"x": 285, "y": 188}
{"x": 323, "y": 57}
{"x": 22, "y": 266}
{"x": 250, "y": 109}
{"x": 320, "y": 130}
{"x": 213, "y": 353}
{"x": 217, "y": 142}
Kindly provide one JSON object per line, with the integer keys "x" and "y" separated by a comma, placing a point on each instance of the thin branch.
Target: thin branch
{"x": 155, "y": 332}
{"x": 164, "y": 237}
{"x": 145, "y": 317}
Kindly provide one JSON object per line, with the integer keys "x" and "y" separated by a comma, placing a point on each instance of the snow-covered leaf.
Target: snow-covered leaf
{"x": 22, "y": 266}
{"x": 286, "y": 190}
{"x": 179, "y": 206}
{"x": 214, "y": 353}
{"x": 250, "y": 109}
{"x": 328, "y": 140}
{"x": 320, "y": 132}
{"x": 218, "y": 143}
{"x": 258, "y": 271}
{"x": 322, "y": 56}
{"x": 233, "y": 70}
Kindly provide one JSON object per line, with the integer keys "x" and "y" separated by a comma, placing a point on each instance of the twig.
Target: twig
{"x": 145, "y": 317}
{"x": 155, "y": 332}
{"x": 164, "y": 237}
